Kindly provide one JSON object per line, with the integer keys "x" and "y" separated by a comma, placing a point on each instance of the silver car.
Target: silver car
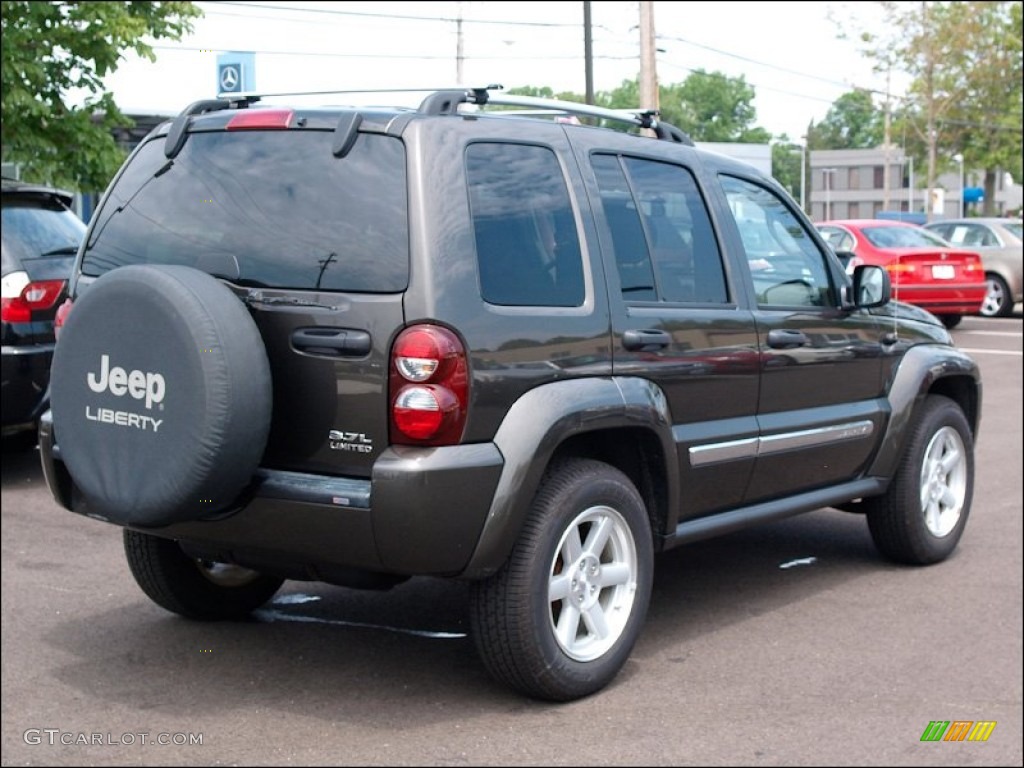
{"x": 998, "y": 240}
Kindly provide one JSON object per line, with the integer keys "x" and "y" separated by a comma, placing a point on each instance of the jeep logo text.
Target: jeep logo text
{"x": 140, "y": 385}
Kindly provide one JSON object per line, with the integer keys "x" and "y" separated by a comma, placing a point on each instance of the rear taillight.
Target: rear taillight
{"x": 34, "y": 297}
{"x": 429, "y": 386}
{"x": 62, "y": 316}
{"x": 900, "y": 268}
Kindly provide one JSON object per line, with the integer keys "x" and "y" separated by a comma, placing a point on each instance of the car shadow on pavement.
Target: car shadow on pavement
{"x": 347, "y": 655}
{"x": 20, "y": 462}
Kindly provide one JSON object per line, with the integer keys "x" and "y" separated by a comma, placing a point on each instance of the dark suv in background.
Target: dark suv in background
{"x": 38, "y": 242}
{"x": 356, "y": 345}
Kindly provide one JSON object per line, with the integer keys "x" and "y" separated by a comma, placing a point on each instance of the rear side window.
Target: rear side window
{"x": 263, "y": 208}
{"x": 665, "y": 248}
{"x": 527, "y": 245}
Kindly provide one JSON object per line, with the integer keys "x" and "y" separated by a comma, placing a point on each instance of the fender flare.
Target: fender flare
{"x": 538, "y": 423}
{"x": 922, "y": 371}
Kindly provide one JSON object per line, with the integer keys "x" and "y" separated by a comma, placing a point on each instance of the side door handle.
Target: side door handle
{"x": 784, "y": 338}
{"x": 645, "y": 340}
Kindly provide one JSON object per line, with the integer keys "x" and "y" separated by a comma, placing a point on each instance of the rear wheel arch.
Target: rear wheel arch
{"x": 638, "y": 454}
{"x": 585, "y": 418}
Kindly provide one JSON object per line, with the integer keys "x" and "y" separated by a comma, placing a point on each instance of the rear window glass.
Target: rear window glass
{"x": 902, "y": 237}
{"x": 34, "y": 228}
{"x": 263, "y": 208}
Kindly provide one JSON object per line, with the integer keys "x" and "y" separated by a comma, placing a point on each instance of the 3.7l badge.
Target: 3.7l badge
{"x": 349, "y": 441}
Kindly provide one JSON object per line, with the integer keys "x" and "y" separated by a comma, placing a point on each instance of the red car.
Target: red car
{"x": 925, "y": 269}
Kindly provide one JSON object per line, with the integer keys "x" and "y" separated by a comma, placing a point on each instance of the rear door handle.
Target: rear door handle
{"x": 645, "y": 340}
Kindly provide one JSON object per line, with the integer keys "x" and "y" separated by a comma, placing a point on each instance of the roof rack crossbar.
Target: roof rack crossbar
{"x": 641, "y": 118}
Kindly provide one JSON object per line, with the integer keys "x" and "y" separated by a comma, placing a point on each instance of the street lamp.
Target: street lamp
{"x": 960, "y": 161}
{"x": 826, "y": 174}
{"x": 803, "y": 174}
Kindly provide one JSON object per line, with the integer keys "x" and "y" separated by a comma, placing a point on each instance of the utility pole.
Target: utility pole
{"x": 648, "y": 66}
{"x": 459, "y": 56}
{"x": 887, "y": 143}
{"x": 588, "y": 53}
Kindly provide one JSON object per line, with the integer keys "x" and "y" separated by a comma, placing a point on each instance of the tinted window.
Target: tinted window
{"x": 264, "y": 208}
{"x": 902, "y": 237}
{"x": 967, "y": 234}
{"x": 786, "y": 265}
{"x": 665, "y": 249}
{"x": 33, "y": 228}
{"x": 527, "y": 246}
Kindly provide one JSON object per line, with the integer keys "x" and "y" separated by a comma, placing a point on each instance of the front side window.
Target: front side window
{"x": 839, "y": 239}
{"x": 527, "y": 245}
{"x": 787, "y": 268}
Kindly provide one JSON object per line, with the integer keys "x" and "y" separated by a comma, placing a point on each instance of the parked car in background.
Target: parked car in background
{"x": 40, "y": 237}
{"x": 925, "y": 270}
{"x": 1001, "y": 245}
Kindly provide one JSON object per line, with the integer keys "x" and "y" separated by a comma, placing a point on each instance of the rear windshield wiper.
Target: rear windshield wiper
{"x": 64, "y": 250}
{"x": 257, "y": 297}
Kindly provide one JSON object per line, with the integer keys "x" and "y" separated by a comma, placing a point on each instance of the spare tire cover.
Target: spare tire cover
{"x": 161, "y": 395}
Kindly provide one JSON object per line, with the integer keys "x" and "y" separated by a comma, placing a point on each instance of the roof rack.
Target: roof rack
{"x": 256, "y": 96}
{"x": 446, "y": 102}
{"x": 441, "y": 101}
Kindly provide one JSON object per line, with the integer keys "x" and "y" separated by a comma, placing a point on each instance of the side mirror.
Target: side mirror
{"x": 871, "y": 286}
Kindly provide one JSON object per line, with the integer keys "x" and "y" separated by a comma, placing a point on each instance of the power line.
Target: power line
{"x": 407, "y": 17}
{"x": 755, "y": 61}
{"x": 208, "y": 48}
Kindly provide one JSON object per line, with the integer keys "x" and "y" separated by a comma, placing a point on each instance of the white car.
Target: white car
{"x": 998, "y": 240}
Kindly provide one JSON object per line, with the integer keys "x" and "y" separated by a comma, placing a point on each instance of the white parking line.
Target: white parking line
{"x": 993, "y": 333}
{"x": 1017, "y": 352}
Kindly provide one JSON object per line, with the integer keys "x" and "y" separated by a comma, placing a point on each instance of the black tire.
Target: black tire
{"x": 951, "y": 321}
{"x": 998, "y": 302}
{"x": 922, "y": 516}
{"x": 527, "y": 639}
{"x": 161, "y": 395}
{"x": 193, "y": 588}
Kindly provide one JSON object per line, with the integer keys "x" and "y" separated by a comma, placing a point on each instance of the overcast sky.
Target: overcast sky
{"x": 790, "y": 52}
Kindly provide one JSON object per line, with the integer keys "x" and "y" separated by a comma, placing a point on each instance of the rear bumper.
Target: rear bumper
{"x": 944, "y": 300}
{"x": 421, "y": 513}
{"x": 24, "y": 389}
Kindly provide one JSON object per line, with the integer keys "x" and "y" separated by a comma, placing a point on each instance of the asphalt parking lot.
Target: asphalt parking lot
{"x": 788, "y": 644}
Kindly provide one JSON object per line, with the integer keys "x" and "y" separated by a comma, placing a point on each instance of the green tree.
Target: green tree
{"x": 987, "y": 122}
{"x": 852, "y": 122}
{"x": 787, "y": 166}
{"x": 709, "y": 106}
{"x": 53, "y": 49}
{"x": 964, "y": 61}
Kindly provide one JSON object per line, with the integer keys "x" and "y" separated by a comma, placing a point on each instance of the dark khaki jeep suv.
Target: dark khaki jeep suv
{"x": 478, "y": 339}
